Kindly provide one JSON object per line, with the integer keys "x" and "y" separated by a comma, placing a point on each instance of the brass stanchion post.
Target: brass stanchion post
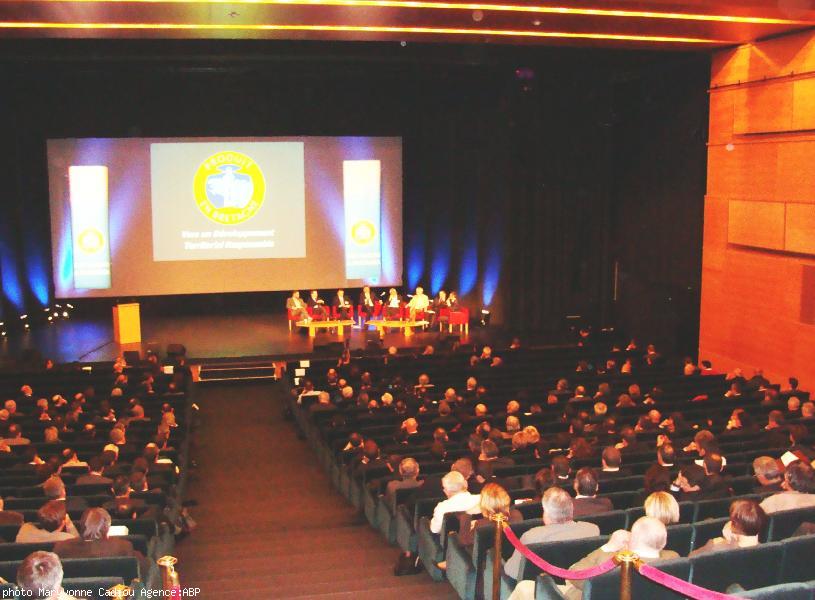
{"x": 500, "y": 521}
{"x": 627, "y": 561}
{"x": 169, "y": 576}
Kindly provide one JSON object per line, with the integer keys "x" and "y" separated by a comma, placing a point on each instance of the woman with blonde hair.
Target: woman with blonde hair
{"x": 662, "y": 506}
{"x": 494, "y": 500}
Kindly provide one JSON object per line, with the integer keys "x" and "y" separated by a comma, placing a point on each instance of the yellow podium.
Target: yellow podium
{"x": 126, "y": 323}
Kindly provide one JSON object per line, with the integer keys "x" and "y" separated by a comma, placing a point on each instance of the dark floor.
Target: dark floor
{"x": 269, "y": 523}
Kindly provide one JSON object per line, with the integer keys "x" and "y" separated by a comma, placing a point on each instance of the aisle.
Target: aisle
{"x": 270, "y": 524}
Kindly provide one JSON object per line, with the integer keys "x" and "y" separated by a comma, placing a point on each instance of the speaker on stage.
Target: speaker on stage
{"x": 176, "y": 351}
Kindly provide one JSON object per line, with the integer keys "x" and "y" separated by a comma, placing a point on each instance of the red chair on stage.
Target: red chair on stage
{"x": 291, "y": 317}
{"x": 363, "y": 312}
{"x": 335, "y": 312}
{"x": 461, "y": 318}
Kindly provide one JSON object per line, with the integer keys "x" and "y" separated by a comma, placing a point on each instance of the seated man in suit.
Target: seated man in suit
{"x": 558, "y": 525}
{"x": 769, "y": 474}
{"x": 94, "y": 476}
{"x": 798, "y": 486}
{"x": 40, "y": 576}
{"x": 367, "y": 303}
{"x": 409, "y": 479}
{"x": 342, "y": 306}
{"x": 586, "y": 501}
{"x": 53, "y": 525}
{"x": 54, "y": 489}
{"x": 611, "y": 462}
{"x": 95, "y": 543}
{"x": 490, "y": 459}
{"x": 297, "y": 307}
{"x": 317, "y": 306}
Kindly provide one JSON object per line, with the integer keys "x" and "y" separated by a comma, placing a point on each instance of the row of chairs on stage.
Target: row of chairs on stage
{"x": 362, "y": 313}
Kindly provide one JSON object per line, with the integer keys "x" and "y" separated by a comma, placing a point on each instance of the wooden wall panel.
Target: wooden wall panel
{"x": 721, "y": 116}
{"x": 747, "y": 171}
{"x": 803, "y": 104}
{"x": 795, "y": 180}
{"x": 757, "y": 304}
{"x": 763, "y": 108}
{"x": 775, "y": 57}
{"x": 800, "y": 229}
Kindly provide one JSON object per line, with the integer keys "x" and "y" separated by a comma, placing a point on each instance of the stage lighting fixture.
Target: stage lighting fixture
{"x": 23, "y": 317}
{"x": 50, "y": 319}
{"x": 69, "y": 305}
{"x": 485, "y": 317}
{"x": 65, "y": 314}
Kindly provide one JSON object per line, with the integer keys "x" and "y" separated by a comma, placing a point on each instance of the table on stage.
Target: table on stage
{"x": 313, "y": 326}
{"x": 407, "y": 326}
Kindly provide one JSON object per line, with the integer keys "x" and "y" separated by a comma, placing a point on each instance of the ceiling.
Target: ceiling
{"x": 653, "y": 24}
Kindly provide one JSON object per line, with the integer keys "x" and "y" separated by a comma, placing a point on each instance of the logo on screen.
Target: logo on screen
{"x": 91, "y": 241}
{"x": 229, "y": 188}
{"x": 363, "y": 232}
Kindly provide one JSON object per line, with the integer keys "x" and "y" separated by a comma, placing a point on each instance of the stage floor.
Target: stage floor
{"x": 205, "y": 337}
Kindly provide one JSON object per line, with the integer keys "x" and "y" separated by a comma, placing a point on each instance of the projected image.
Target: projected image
{"x": 236, "y": 201}
{"x": 151, "y": 216}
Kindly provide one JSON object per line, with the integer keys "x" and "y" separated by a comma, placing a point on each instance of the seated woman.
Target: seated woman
{"x": 494, "y": 500}
{"x": 747, "y": 519}
{"x": 393, "y": 305}
{"x": 297, "y": 307}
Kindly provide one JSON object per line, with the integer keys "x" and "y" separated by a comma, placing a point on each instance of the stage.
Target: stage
{"x": 207, "y": 338}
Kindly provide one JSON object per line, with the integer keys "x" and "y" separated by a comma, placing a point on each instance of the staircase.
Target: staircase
{"x": 259, "y": 371}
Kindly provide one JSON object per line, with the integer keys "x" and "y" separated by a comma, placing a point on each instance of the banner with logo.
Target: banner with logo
{"x": 89, "y": 226}
{"x": 362, "y": 197}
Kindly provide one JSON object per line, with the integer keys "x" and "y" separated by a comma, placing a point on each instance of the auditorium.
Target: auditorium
{"x": 407, "y": 299}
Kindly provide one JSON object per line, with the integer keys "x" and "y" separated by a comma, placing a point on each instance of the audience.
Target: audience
{"x": 39, "y": 576}
{"x": 747, "y": 520}
{"x": 454, "y": 486}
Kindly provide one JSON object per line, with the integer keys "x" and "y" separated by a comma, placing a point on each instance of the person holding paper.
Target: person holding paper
{"x": 393, "y": 305}
{"x": 317, "y": 306}
{"x": 342, "y": 306}
{"x": 367, "y": 304}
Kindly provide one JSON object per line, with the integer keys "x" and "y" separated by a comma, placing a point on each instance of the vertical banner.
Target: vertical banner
{"x": 89, "y": 226}
{"x": 362, "y": 197}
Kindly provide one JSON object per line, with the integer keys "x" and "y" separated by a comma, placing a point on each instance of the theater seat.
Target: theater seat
{"x": 561, "y": 554}
{"x": 704, "y": 531}
{"x": 608, "y": 522}
{"x": 782, "y": 591}
{"x": 546, "y": 589}
{"x": 798, "y": 564}
{"x": 748, "y": 567}
{"x": 784, "y": 523}
{"x": 680, "y": 538}
{"x": 607, "y": 586}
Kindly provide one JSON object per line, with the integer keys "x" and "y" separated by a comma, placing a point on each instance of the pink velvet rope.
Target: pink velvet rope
{"x": 680, "y": 585}
{"x": 552, "y": 569}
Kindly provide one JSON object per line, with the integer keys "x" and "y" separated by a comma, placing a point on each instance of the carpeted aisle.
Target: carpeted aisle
{"x": 269, "y": 523}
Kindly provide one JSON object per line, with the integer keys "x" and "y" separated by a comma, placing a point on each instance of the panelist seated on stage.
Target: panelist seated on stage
{"x": 393, "y": 305}
{"x": 297, "y": 307}
{"x": 440, "y": 302}
{"x": 342, "y": 306}
{"x": 418, "y": 304}
{"x": 317, "y": 306}
{"x": 452, "y": 302}
{"x": 367, "y": 303}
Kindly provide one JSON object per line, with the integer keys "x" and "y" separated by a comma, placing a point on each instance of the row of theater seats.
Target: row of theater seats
{"x": 20, "y": 485}
{"x": 531, "y": 375}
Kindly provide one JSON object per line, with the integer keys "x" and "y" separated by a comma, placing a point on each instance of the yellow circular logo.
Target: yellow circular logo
{"x": 229, "y": 188}
{"x": 363, "y": 232}
{"x": 91, "y": 240}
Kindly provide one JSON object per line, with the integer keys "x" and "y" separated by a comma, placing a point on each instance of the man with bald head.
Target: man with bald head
{"x": 408, "y": 479}
{"x": 459, "y": 499}
{"x": 558, "y": 525}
